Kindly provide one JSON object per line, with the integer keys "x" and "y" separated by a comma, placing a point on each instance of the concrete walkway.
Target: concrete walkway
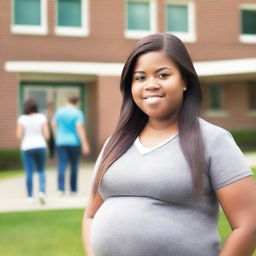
{"x": 13, "y": 194}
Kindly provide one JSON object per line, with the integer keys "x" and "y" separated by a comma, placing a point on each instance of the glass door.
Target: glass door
{"x": 50, "y": 96}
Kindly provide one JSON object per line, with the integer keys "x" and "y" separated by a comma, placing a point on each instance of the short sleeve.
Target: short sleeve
{"x": 20, "y": 120}
{"x": 44, "y": 119}
{"x": 227, "y": 162}
{"x": 80, "y": 117}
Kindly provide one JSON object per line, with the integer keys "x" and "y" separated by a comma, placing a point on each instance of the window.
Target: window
{"x": 180, "y": 19}
{"x": 29, "y": 17}
{"x": 72, "y": 18}
{"x": 248, "y": 23}
{"x": 215, "y": 102}
{"x": 51, "y": 93}
{"x": 140, "y": 18}
{"x": 252, "y": 96}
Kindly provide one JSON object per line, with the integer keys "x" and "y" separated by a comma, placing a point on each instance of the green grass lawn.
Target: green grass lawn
{"x": 41, "y": 233}
{"x": 10, "y": 174}
{"x": 51, "y": 233}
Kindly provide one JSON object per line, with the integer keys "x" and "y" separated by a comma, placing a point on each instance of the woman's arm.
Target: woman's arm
{"x": 46, "y": 131}
{"x": 238, "y": 201}
{"x": 19, "y": 131}
{"x": 92, "y": 207}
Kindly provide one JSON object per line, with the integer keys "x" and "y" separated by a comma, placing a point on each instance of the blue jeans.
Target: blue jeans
{"x": 34, "y": 159}
{"x": 66, "y": 155}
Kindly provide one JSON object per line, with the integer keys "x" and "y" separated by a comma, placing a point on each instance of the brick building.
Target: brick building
{"x": 50, "y": 48}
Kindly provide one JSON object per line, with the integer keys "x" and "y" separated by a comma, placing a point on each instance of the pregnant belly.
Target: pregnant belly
{"x": 138, "y": 226}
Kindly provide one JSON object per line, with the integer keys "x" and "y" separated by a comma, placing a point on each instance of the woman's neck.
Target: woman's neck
{"x": 156, "y": 132}
{"x": 162, "y": 126}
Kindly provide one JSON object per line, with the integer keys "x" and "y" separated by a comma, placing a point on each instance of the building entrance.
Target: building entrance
{"x": 51, "y": 96}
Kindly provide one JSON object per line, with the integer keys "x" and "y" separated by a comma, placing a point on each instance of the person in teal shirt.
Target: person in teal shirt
{"x": 71, "y": 140}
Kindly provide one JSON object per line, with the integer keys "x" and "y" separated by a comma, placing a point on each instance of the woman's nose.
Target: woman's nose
{"x": 151, "y": 84}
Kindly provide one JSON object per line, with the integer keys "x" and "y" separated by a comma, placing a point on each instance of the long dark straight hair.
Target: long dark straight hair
{"x": 132, "y": 120}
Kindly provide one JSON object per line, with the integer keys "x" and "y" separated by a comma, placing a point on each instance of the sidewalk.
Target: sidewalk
{"x": 13, "y": 196}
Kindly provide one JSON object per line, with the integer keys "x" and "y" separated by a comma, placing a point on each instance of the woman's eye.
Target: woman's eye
{"x": 164, "y": 75}
{"x": 139, "y": 77}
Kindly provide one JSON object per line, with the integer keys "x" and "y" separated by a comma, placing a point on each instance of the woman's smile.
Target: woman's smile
{"x": 153, "y": 99}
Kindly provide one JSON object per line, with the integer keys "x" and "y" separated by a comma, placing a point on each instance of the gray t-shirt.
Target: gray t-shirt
{"x": 149, "y": 208}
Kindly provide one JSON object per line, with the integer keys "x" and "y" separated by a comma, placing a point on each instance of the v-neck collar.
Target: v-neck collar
{"x": 145, "y": 150}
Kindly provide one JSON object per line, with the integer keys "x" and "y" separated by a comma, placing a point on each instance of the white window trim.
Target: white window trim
{"x": 190, "y": 36}
{"x": 30, "y": 29}
{"x": 136, "y": 34}
{"x": 247, "y": 38}
{"x": 74, "y": 31}
{"x": 203, "y": 69}
{"x": 216, "y": 113}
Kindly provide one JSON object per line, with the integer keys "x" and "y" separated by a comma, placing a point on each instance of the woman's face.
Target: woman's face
{"x": 157, "y": 86}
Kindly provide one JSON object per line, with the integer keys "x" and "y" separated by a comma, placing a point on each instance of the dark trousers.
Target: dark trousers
{"x": 68, "y": 155}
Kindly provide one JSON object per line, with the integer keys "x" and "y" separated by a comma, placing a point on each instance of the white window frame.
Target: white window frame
{"x": 136, "y": 34}
{"x": 209, "y": 112}
{"x": 189, "y": 36}
{"x": 221, "y": 98}
{"x": 246, "y": 38}
{"x": 31, "y": 29}
{"x": 83, "y": 31}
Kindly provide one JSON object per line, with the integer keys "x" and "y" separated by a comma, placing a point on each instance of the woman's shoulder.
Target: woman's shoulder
{"x": 41, "y": 116}
{"x": 215, "y": 136}
{"x": 211, "y": 130}
{"x": 22, "y": 118}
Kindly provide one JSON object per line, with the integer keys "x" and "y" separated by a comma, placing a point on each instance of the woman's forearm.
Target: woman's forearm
{"x": 87, "y": 222}
{"x": 241, "y": 242}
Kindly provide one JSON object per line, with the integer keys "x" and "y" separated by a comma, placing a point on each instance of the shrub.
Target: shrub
{"x": 246, "y": 139}
{"x": 10, "y": 159}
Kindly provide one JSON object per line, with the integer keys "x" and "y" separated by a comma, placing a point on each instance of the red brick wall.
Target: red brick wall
{"x": 235, "y": 103}
{"x": 217, "y": 26}
{"x": 217, "y": 34}
{"x": 109, "y": 102}
{"x": 8, "y": 109}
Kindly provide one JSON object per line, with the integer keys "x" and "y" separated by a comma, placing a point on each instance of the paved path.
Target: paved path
{"x": 13, "y": 197}
{"x": 13, "y": 194}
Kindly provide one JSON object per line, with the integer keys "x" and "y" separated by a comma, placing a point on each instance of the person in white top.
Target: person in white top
{"x": 33, "y": 132}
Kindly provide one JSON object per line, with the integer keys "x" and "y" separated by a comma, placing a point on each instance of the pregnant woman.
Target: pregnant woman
{"x": 161, "y": 176}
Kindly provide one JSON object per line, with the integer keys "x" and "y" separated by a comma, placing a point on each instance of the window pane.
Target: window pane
{"x": 177, "y": 18}
{"x": 252, "y": 96}
{"x": 215, "y": 97}
{"x": 69, "y": 13}
{"x": 138, "y": 16}
{"x": 41, "y": 97}
{"x": 27, "y": 12}
{"x": 249, "y": 22}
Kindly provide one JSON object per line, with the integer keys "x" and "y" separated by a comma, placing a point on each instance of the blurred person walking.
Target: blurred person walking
{"x": 32, "y": 130}
{"x": 51, "y": 142}
{"x": 70, "y": 139}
